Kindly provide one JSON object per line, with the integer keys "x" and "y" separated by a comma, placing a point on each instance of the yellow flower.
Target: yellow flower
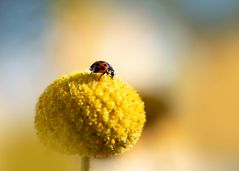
{"x": 77, "y": 114}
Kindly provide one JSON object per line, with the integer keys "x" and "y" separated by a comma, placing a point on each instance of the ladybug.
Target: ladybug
{"x": 102, "y": 67}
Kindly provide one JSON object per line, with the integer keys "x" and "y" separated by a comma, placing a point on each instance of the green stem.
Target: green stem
{"x": 85, "y": 164}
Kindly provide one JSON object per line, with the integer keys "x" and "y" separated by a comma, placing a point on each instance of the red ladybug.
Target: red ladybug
{"x": 102, "y": 67}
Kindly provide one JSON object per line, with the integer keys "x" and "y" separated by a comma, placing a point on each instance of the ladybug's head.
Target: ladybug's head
{"x": 111, "y": 71}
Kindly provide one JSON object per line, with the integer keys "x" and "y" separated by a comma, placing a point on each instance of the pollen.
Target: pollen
{"x": 112, "y": 141}
{"x": 77, "y": 114}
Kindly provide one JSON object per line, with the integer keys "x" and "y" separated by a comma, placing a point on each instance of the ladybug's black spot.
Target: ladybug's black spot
{"x": 97, "y": 64}
{"x": 97, "y": 69}
{"x": 105, "y": 65}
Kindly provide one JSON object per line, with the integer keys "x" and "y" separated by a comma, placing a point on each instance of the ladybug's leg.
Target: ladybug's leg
{"x": 109, "y": 72}
{"x": 101, "y": 76}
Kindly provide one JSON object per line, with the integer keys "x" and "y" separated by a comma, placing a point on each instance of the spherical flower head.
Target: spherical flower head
{"x": 79, "y": 114}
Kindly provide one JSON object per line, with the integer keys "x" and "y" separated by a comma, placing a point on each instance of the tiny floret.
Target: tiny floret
{"x": 77, "y": 114}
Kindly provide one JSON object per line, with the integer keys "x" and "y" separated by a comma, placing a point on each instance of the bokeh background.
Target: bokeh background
{"x": 181, "y": 55}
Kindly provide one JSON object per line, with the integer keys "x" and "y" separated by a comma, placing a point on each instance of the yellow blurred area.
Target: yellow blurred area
{"x": 207, "y": 97}
{"x": 77, "y": 36}
{"x": 23, "y": 152}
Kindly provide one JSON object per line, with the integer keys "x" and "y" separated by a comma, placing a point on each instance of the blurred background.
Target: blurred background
{"x": 181, "y": 55}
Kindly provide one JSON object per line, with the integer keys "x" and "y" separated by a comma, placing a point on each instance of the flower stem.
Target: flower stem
{"x": 85, "y": 163}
